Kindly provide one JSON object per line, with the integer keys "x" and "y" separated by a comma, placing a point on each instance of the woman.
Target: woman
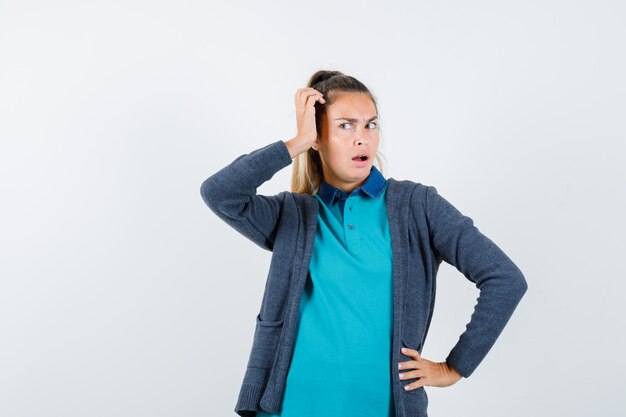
{"x": 351, "y": 288}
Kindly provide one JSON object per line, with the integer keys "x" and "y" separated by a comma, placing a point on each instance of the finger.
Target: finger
{"x": 412, "y": 375}
{"x": 305, "y": 92}
{"x": 415, "y": 385}
{"x": 409, "y": 365}
{"x": 308, "y": 99}
{"x": 301, "y": 96}
{"x": 411, "y": 352}
{"x": 312, "y": 99}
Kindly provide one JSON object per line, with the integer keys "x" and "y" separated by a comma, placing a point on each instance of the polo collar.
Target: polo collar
{"x": 373, "y": 187}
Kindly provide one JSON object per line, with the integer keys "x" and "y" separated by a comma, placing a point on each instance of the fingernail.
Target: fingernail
{"x": 403, "y": 350}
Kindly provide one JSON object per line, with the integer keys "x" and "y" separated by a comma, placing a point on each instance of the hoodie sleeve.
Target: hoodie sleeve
{"x": 501, "y": 283}
{"x": 231, "y": 193}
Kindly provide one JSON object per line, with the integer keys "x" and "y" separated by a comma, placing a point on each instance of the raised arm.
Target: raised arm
{"x": 231, "y": 193}
{"x": 502, "y": 285}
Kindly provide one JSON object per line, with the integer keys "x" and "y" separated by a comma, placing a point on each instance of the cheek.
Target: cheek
{"x": 337, "y": 145}
{"x": 338, "y": 154}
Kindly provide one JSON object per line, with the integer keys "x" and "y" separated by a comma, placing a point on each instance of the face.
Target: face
{"x": 349, "y": 129}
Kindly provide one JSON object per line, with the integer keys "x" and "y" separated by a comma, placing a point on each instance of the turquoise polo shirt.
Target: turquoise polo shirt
{"x": 341, "y": 359}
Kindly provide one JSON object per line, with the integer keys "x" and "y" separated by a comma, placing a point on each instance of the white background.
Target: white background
{"x": 122, "y": 294}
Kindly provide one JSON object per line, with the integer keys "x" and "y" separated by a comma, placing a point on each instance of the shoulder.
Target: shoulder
{"x": 417, "y": 191}
{"x": 298, "y": 199}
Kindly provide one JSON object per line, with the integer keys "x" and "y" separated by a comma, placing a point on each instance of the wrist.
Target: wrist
{"x": 295, "y": 147}
{"x": 452, "y": 370}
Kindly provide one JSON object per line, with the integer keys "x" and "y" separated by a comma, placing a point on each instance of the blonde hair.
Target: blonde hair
{"x": 307, "y": 173}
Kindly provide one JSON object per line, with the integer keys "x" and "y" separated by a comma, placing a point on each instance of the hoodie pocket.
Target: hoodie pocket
{"x": 261, "y": 322}
{"x": 265, "y": 343}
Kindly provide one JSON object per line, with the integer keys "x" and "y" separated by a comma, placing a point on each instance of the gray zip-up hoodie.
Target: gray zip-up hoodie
{"x": 425, "y": 229}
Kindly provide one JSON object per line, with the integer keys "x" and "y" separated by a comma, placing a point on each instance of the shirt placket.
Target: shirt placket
{"x": 351, "y": 228}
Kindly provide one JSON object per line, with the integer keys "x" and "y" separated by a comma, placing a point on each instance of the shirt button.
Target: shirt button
{"x": 351, "y": 226}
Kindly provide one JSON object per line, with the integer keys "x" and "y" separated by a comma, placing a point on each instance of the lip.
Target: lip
{"x": 362, "y": 153}
{"x": 360, "y": 163}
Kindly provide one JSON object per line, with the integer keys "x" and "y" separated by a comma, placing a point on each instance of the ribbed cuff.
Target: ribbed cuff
{"x": 280, "y": 153}
{"x": 457, "y": 359}
{"x": 248, "y": 401}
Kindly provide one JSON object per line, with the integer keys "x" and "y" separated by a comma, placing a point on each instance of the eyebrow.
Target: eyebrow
{"x": 355, "y": 120}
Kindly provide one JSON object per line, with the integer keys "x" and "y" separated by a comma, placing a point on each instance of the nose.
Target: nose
{"x": 362, "y": 135}
{"x": 360, "y": 139}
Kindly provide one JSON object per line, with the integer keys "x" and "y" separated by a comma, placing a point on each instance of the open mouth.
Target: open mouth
{"x": 360, "y": 158}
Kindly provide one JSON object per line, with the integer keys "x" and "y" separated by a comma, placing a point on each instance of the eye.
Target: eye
{"x": 369, "y": 124}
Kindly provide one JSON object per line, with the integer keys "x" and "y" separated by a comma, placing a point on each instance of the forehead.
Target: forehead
{"x": 352, "y": 105}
